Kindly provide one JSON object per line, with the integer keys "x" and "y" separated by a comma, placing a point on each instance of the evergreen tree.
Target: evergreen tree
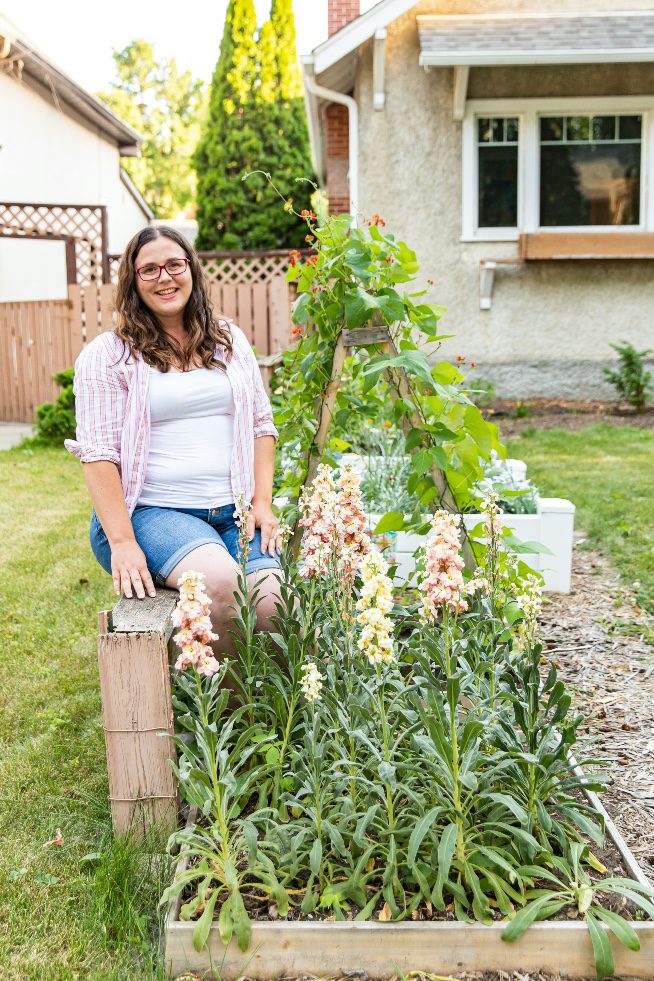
{"x": 230, "y": 143}
{"x": 256, "y": 121}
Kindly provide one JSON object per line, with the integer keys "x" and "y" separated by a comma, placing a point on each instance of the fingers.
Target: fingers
{"x": 134, "y": 581}
{"x": 270, "y": 540}
{"x": 250, "y": 526}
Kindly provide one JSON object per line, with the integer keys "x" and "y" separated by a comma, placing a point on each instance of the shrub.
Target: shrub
{"x": 55, "y": 421}
{"x": 631, "y": 380}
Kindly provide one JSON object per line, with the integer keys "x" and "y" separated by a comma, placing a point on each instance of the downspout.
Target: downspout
{"x": 329, "y": 95}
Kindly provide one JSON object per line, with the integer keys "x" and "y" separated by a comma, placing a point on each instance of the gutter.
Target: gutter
{"x": 331, "y": 95}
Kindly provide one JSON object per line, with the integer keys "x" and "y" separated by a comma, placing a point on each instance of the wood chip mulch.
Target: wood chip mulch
{"x": 603, "y": 644}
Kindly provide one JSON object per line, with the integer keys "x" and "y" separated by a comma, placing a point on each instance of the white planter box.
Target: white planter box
{"x": 552, "y": 526}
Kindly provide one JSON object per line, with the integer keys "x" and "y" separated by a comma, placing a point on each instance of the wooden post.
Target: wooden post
{"x": 133, "y": 655}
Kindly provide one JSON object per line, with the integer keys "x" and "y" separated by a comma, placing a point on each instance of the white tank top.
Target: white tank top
{"x": 191, "y": 439}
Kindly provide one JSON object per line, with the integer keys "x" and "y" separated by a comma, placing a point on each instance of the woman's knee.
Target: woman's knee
{"x": 267, "y": 585}
{"x": 220, "y": 576}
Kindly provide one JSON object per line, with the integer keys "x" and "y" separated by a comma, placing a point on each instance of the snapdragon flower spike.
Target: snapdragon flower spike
{"x": 355, "y": 542}
{"x": 334, "y": 525}
{"x": 443, "y": 583}
{"x": 373, "y": 606}
{"x": 492, "y": 515}
{"x": 311, "y": 683}
{"x": 191, "y": 615}
{"x": 319, "y": 507}
{"x": 241, "y": 511}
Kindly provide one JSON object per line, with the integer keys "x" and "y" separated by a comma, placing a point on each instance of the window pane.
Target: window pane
{"x": 603, "y": 128}
{"x": 629, "y": 127}
{"x": 484, "y": 130}
{"x": 498, "y": 186}
{"x": 511, "y": 130}
{"x": 578, "y": 128}
{"x": 590, "y": 184}
{"x": 551, "y": 128}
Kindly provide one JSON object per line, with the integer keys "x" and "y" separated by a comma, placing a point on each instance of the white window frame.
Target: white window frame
{"x": 528, "y": 112}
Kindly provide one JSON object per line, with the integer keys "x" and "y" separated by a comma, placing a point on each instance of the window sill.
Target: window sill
{"x": 556, "y": 246}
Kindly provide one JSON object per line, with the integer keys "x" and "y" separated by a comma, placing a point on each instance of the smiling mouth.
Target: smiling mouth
{"x": 167, "y": 292}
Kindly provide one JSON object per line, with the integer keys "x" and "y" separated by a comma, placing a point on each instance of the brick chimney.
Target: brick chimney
{"x": 340, "y": 13}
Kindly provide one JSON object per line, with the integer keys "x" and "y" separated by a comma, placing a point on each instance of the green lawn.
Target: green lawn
{"x": 62, "y": 917}
{"x": 608, "y": 472}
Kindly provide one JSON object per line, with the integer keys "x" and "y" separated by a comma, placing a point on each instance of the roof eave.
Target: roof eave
{"x": 489, "y": 58}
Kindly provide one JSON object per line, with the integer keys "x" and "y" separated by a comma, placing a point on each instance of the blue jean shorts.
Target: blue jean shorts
{"x": 167, "y": 535}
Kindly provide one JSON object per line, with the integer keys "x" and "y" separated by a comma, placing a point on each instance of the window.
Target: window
{"x": 497, "y": 142}
{"x": 560, "y": 163}
{"x": 590, "y": 170}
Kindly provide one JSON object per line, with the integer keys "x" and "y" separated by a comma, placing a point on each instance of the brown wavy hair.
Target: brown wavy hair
{"x": 139, "y": 329}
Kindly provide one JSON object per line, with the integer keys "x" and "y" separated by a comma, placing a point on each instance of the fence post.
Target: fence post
{"x": 134, "y": 646}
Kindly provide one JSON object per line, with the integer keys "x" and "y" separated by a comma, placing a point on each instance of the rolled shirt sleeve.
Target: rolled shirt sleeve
{"x": 100, "y": 397}
{"x": 263, "y": 424}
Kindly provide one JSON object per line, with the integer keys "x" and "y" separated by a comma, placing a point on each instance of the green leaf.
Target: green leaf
{"x": 446, "y": 848}
{"x": 419, "y": 832}
{"x": 528, "y": 915}
{"x": 242, "y": 925}
{"x": 202, "y": 927}
{"x": 601, "y": 948}
{"x": 315, "y": 857}
{"x": 621, "y": 928}
{"x": 392, "y": 521}
{"x": 359, "y": 307}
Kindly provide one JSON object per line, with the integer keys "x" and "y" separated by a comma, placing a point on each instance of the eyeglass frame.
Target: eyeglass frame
{"x": 156, "y": 279}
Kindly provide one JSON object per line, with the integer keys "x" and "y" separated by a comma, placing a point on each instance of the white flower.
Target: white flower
{"x": 374, "y": 603}
{"x": 311, "y": 681}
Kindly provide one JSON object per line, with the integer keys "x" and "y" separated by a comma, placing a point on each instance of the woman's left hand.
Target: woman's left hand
{"x": 261, "y": 516}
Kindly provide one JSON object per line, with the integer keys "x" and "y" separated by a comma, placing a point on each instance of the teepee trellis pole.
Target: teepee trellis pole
{"x": 378, "y": 334}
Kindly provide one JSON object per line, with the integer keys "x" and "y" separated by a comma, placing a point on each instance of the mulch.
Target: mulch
{"x": 603, "y": 644}
{"x": 514, "y": 417}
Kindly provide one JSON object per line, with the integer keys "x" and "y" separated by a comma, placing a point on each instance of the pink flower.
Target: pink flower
{"x": 334, "y": 523}
{"x": 443, "y": 583}
{"x": 192, "y": 616}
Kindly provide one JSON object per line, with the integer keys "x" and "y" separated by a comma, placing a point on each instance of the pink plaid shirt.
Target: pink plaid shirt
{"x": 112, "y": 411}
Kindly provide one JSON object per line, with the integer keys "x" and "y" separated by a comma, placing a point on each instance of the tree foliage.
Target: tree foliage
{"x": 256, "y": 121}
{"x": 164, "y": 105}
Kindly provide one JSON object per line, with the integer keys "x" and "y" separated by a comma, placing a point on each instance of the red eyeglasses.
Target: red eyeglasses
{"x": 151, "y": 271}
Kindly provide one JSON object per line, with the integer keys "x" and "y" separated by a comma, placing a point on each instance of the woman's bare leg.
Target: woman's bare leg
{"x": 220, "y": 572}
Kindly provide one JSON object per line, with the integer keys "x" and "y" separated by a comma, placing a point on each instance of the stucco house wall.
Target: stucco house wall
{"x": 553, "y": 321}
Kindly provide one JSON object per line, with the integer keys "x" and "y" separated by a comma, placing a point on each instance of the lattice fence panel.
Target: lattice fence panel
{"x": 86, "y": 224}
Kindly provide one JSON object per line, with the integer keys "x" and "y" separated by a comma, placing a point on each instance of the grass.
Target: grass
{"x": 608, "y": 473}
{"x": 86, "y": 908}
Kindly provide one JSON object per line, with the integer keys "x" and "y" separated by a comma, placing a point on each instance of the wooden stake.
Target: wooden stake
{"x": 133, "y": 658}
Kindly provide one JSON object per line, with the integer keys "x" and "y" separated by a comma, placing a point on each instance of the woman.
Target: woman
{"x": 173, "y": 427}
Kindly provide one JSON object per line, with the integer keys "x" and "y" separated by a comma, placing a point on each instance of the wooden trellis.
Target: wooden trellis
{"x": 399, "y": 387}
{"x": 85, "y": 224}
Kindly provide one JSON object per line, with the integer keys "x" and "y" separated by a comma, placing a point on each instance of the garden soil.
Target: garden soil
{"x": 515, "y": 417}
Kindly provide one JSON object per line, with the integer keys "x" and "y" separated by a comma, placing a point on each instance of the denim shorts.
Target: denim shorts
{"x": 167, "y": 535}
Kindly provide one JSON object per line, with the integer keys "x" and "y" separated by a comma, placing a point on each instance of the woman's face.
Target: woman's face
{"x": 167, "y": 295}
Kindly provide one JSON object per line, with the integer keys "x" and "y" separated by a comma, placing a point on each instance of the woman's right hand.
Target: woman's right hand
{"x": 129, "y": 568}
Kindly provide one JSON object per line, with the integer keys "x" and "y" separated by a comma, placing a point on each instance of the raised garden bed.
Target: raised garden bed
{"x": 289, "y": 948}
{"x": 552, "y": 526}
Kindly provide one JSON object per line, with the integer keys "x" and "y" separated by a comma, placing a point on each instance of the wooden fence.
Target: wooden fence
{"x": 39, "y": 338}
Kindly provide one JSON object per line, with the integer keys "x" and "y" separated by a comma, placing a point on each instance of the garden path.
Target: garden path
{"x": 603, "y": 644}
